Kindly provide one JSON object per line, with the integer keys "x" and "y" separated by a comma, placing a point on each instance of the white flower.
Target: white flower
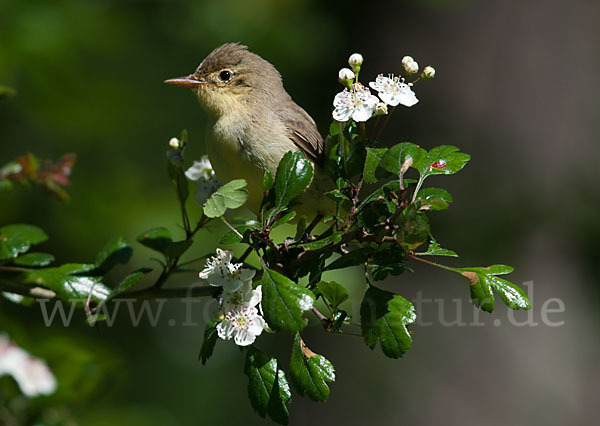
{"x": 394, "y": 91}
{"x": 381, "y": 109}
{"x": 201, "y": 170}
{"x": 243, "y": 324}
{"x": 174, "y": 143}
{"x": 355, "y": 61}
{"x": 203, "y": 174}
{"x": 410, "y": 65}
{"x": 220, "y": 272}
{"x": 244, "y": 297}
{"x": 357, "y": 104}
{"x": 428, "y": 72}
{"x": 31, "y": 374}
{"x": 346, "y": 77}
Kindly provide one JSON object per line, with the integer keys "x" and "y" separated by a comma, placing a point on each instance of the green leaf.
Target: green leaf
{"x": 158, "y": 239}
{"x": 334, "y": 238}
{"x": 396, "y": 156}
{"x": 116, "y": 251}
{"x": 354, "y": 258}
{"x": 128, "y": 282}
{"x": 34, "y": 260}
{"x": 294, "y": 173}
{"x": 231, "y": 237}
{"x": 434, "y": 249}
{"x": 284, "y": 219}
{"x": 384, "y": 316}
{"x": 69, "y": 282}
{"x": 442, "y": 159}
{"x": 209, "y": 342}
{"x": 309, "y": 372}
{"x": 484, "y": 279}
{"x": 284, "y": 302}
{"x": 333, "y": 292}
{"x": 372, "y": 161}
{"x": 434, "y": 199}
{"x": 300, "y": 228}
{"x": 229, "y": 196}
{"x": 267, "y": 181}
{"x": 177, "y": 248}
{"x": 414, "y": 227}
{"x": 17, "y": 239}
{"x": 268, "y": 388}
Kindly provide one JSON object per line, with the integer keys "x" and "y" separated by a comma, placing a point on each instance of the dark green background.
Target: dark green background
{"x": 516, "y": 88}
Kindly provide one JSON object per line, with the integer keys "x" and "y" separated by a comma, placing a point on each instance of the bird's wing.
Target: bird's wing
{"x": 302, "y": 130}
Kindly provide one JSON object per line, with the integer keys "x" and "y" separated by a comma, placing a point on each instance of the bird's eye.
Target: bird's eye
{"x": 225, "y": 75}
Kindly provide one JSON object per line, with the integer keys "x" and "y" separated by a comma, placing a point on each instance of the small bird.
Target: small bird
{"x": 254, "y": 123}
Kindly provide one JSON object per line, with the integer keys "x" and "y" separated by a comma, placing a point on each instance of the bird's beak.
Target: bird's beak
{"x": 190, "y": 81}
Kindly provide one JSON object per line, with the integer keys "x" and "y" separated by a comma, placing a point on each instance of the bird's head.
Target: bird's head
{"x": 231, "y": 77}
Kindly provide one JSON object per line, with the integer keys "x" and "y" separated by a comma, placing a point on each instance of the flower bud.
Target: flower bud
{"x": 346, "y": 77}
{"x": 174, "y": 143}
{"x": 428, "y": 72}
{"x": 355, "y": 61}
{"x": 410, "y": 65}
{"x": 380, "y": 109}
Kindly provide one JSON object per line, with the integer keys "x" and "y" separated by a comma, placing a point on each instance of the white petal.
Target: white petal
{"x": 342, "y": 114}
{"x": 231, "y": 285}
{"x": 363, "y": 112}
{"x": 254, "y": 299}
{"x": 225, "y": 329}
{"x": 244, "y": 338}
{"x": 407, "y": 97}
{"x": 258, "y": 325}
{"x": 388, "y": 98}
{"x": 247, "y": 274}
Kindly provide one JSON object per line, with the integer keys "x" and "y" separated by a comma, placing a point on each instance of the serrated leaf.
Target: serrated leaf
{"x": 158, "y": 239}
{"x": 231, "y": 237}
{"x": 434, "y": 199}
{"x": 372, "y": 161}
{"x": 309, "y": 372}
{"x": 268, "y": 388}
{"x": 484, "y": 279}
{"x": 434, "y": 249}
{"x": 414, "y": 227}
{"x": 289, "y": 216}
{"x": 116, "y": 251}
{"x": 333, "y": 292}
{"x": 442, "y": 159}
{"x": 17, "y": 239}
{"x": 177, "y": 248}
{"x": 128, "y": 282}
{"x": 354, "y": 258}
{"x": 34, "y": 260}
{"x": 334, "y": 238}
{"x": 209, "y": 342}
{"x": 268, "y": 181}
{"x": 229, "y": 196}
{"x": 284, "y": 302}
{"x": 69, "y": 282}
{"x": 384, "y": 317}
{"x": 396, "y": 157}
{"x": 294, "y": 173}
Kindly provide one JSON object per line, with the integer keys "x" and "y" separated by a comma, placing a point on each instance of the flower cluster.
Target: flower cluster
{"x": 203, "y": 174}
{"x": 240, "y": 302}
{"x": 356, "y": 101}
{"x": 31, "y": 374}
